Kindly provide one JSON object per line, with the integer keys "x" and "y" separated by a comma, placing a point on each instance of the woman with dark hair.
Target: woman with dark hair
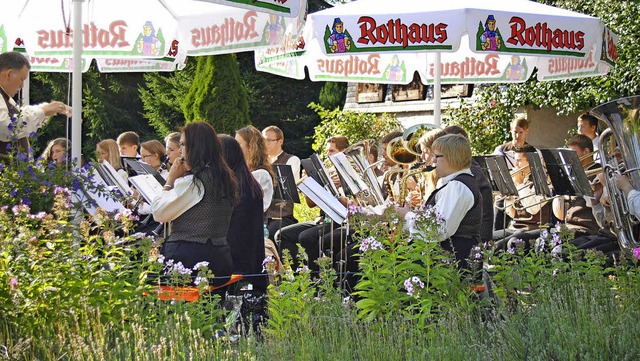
{"x": 245, "y": 235}
{"x": 198, "y": 199}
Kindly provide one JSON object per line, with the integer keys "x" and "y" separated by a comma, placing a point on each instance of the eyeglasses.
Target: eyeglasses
{"x": 271, "y": 140}
{"x": 436, "y": 156}
{"x": 145, "y": 156}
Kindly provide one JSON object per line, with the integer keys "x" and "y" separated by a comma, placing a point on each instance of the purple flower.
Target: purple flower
{"x": 411, "y": 282}
{"x": 199, "y": 280}
{"x": 33, "y": 135}
{"x": 636, "y": 253}
{"x": 203, "y": 264}
{"x": 1, "y": 167}
{"x": 13, "y": 283}
{"x": 22, "y": 157}
{"x": 13, "y": 193}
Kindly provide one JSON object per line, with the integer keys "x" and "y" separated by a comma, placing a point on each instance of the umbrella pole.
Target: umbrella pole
{"x": 436, "y": 90}
{"x": 76, "y": 85}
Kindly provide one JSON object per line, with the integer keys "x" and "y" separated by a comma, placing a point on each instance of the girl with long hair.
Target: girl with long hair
{"x": 255, "y": 153}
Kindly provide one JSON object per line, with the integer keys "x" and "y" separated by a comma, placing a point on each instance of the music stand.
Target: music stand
{"x": 566, "y": 172}
{"x": 285, "y": 190}
{"x": 351, "y": 181}
{"x": 498, "y": 174}
{"x": 314, "y": 167}
{"x": 135, "y": 167}
{"x": 538, "y": 175}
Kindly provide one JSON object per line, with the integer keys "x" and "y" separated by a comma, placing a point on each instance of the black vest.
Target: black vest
{"x": 274, "y": 211}
{"x": 207, "y": 220}
{"x": 468, "y": 227}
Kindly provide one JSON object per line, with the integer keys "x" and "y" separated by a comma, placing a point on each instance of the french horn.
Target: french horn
{"x": 621, "y": 140}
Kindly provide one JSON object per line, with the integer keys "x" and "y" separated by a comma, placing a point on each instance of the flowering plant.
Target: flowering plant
{"x": 404, "y": 270}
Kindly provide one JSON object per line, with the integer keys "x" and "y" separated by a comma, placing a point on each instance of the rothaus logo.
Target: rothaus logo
{"x": 396, "y": 32}
{"x": 92, "y": 37}
{"x": 230, "y": 31}
{"x": 352, "y": 66}
{"x": 469, "y": 67}
{"x": 541, "y": 36}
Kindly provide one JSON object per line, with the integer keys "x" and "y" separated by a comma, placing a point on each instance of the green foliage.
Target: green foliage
{"x": 280, "y": 101}
{"x": 333, "y": 95}
{"x": 355, "y": 126}
{"x": 217, "y": 94}
{"x": 163, "y": 96}
{"x": 486, "y": 118}
{"x": 402, "y": 274}
{"x": 111, "y": 105}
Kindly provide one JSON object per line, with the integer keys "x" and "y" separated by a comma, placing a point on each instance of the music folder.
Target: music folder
{"x": 538, "y": 175}
{"x": 314, "y": 167}
{"x": 323, "y": 199}
{"x": 101, "y": 192}
{"x": 135, "y": 167}
{"x": 286, "y": 190}
{"x": 148, "y": 186}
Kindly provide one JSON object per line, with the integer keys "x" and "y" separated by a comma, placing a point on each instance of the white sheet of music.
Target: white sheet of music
{"x": 148, "y": 186}
{"x": 323, "y": 199}
{"x": 354, "y": 181}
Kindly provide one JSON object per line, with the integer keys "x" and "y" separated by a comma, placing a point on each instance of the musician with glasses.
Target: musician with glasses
{"x": 456, "y": 197}
{"x": 280, "y": 213}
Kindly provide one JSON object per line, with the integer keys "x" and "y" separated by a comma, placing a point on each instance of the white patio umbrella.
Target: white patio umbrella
{"x": 147, "y": 31}
{"x": 454, "y": 41}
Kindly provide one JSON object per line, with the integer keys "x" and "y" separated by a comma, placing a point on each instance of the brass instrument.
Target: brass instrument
{"x": 621, "y": 138}
{"x": 358, "y": 156}
{"x": 412, "y": 135}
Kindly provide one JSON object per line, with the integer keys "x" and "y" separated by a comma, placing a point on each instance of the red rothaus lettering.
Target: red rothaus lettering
{"x": 230, "y": 31}
{"x": 352, "y": 66}
{"x": 395, "y": 32}
{"x": 541, "y": 36}
{"x": 469, "y": 67}
{"x": 92, "y": 37}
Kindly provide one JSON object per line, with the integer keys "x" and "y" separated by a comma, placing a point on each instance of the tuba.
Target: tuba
{"x": 358, "y": 156}
{"x": 621, "y": 139}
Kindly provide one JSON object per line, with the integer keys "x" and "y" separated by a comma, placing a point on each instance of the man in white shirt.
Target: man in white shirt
{"x": 14, "y": 70}
{"x": 279, "y": 214}
{"x": 588, "y": 125}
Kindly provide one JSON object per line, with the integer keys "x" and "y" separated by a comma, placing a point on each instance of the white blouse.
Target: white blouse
{"x": 266, "y": 183}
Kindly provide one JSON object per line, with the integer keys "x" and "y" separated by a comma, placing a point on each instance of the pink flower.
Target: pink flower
{"x": 13, "y": 283}
{"x": 636, "y": 253}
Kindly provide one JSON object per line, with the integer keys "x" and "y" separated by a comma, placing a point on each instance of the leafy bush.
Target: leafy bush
{"x": 353, "y": 125}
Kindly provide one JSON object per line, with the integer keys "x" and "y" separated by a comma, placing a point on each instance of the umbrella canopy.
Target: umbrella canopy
{"x": 454, "y": 41}
{"x": 139, "y": 35}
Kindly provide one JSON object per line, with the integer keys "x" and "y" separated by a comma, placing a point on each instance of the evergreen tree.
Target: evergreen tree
{"x": 217, "y": 94}
{"x": 163, "y": 96}
{"x": 333, "y": 95}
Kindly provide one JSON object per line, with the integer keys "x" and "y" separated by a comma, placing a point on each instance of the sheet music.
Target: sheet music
{"x": 286, "y": 189}
{"x": 107, "y": 202}
{"x": 323, "y": 199}
{"x": 323, "y": 174}
{"x": 112, "y": 178}
{"x": 148, "y": 186}
{"x": 348, "y": 174}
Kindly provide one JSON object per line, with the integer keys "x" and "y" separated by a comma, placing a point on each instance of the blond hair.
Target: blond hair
{"x": 455, "y": 148}
{"x": 111, "y": 147}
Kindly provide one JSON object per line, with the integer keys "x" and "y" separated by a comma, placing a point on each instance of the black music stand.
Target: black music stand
{"x": 286, "y": 190}
{"x": 538, "y": 175}
{"x": 496, "y": 170}
{"x": 135, "y": 167}
{"x": 314, "y": 167}
{"x": 566, "y": 172}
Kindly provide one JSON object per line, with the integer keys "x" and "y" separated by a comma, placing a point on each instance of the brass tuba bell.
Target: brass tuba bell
{"x": 621, "y": 140}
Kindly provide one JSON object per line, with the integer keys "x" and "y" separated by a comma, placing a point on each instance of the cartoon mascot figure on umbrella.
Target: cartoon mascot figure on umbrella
{"x": 490, "y": 39}
{"x": 339, "y": 42}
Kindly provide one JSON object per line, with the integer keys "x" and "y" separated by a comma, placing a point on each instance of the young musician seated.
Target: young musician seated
{"x": 575, "y": 211}
{"x": 456, "y": 197}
